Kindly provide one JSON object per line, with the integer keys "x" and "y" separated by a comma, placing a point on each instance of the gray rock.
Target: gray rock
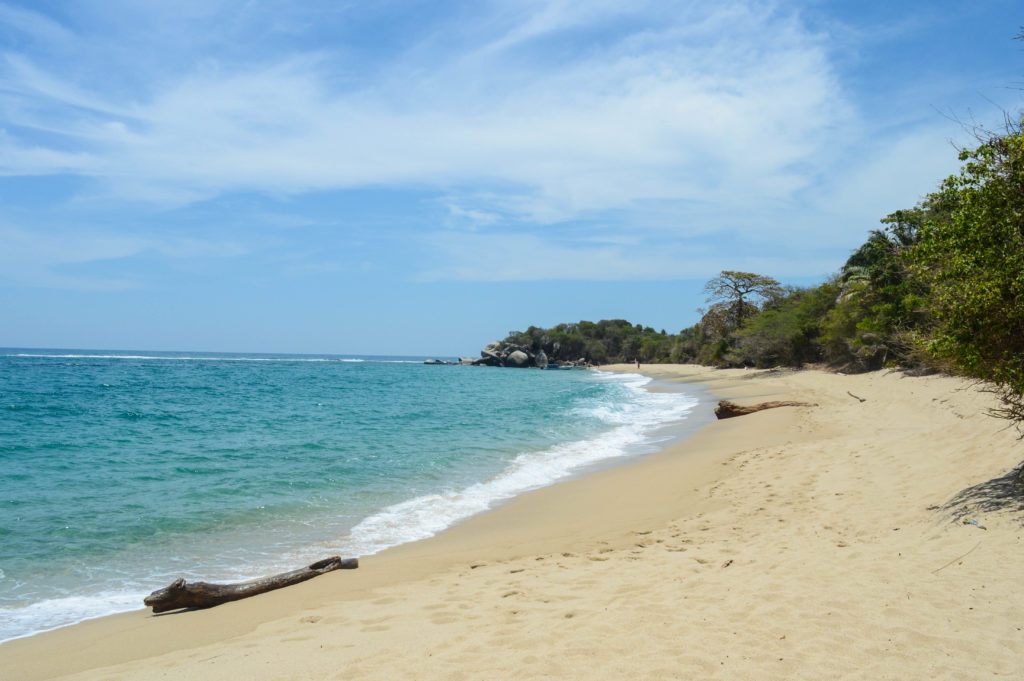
{"x": 541, "y": 360}
{"x": 517, "y": 359}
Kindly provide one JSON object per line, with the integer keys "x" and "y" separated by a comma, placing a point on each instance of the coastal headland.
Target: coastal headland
{"x": 873, "y": 535}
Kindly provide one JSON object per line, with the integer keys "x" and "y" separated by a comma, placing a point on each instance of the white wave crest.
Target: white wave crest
{"x": 635, "y": 421}
{"x": 19, "y": 622}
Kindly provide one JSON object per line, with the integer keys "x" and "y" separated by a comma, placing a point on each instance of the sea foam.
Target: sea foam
{"x": 636, "y": 422}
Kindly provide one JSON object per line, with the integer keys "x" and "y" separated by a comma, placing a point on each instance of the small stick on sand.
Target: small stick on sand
{"x": 860, "y": 399}
{"x": 957, "y": 558}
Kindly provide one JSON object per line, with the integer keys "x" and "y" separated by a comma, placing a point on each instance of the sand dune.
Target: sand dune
{"x": 795, "y": 543}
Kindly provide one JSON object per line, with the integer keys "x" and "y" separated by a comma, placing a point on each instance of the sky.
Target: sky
{"x": 421, "y": 178}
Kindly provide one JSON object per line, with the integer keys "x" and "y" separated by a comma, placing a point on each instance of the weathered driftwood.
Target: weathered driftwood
{"x": 727, "y": 410}
{"x": 204, "y": 595}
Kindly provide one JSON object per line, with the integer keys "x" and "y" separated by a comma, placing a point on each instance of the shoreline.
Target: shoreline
{"x": 792, "y": 516}
{"x": 676, "y": 432}
{"x": 621, "y": 424}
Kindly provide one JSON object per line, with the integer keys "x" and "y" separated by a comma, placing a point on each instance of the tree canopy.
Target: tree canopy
{"x": 972, "y": 260}
{"x": 735, "y": 291}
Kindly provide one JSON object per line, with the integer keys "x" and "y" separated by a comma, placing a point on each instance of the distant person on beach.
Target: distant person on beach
{"x": 637, "y": 362}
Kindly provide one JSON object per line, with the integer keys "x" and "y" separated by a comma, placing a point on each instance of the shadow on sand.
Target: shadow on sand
{"x": 1002, "y": 494}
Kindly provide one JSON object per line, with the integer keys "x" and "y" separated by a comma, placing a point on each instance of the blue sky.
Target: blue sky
{"x": 423, "y": 177}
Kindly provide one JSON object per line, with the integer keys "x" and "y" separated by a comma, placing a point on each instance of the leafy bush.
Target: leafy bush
{"x": 971, "y": 258}
{"x": 788, "y": 331}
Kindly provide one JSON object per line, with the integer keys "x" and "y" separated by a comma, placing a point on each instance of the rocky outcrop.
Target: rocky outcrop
{"x": 491, "y": 356}
{"x": 500, "y": 355}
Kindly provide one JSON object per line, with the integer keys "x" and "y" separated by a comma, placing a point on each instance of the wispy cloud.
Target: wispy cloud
{"x": 33, "y": 25}
{"x": 693, "y": 108}
{"x": 523, "y": 123}
{"x": 53, "y": 258}
{"x": 36, "y": 259}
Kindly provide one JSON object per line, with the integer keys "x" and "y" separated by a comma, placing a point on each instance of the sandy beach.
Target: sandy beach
{"x": 817, "y": 542}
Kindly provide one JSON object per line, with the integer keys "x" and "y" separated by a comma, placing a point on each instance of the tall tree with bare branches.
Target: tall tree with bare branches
{"x": 739, "y": 292}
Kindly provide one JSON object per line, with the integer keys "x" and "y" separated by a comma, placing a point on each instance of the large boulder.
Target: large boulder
{"x": 492, "y": 354}
{"x": 517, "y": 359}
{"x": 541, "y": 360}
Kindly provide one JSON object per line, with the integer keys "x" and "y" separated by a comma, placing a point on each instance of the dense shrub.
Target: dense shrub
{"x": 971, "y": 258}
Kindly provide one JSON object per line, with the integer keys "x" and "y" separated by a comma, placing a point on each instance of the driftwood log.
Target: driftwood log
{"x": 204, "y": 595}
{"x": 727, "y": 410}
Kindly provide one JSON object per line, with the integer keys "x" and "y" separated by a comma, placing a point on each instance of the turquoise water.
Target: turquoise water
{"x": 122, "y": 471}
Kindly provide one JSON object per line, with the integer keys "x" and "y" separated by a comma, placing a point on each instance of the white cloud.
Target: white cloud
{"x": 520, "y": 122}
{"x": 472, "y": 219}
{"x": 722, "y": 104}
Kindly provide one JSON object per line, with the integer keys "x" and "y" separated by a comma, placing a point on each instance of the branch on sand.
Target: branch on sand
{"x": 204, "y": 595}
{"x": 728, "y": 410}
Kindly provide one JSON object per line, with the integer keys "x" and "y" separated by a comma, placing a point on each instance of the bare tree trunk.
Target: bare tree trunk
{"x": 204, "y": 595}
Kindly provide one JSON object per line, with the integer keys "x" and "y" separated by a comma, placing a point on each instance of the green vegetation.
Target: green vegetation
{"x": 605, "y": 342}
{"x": 939, "y": 286}
{"x": 971, "y": 258}
{"x": 732, "y": 292}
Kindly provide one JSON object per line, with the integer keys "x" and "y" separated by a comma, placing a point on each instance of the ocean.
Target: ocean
{"x": 121, "y": 471}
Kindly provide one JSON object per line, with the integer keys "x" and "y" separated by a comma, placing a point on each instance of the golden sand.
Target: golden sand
{"x": 795, "y": 543}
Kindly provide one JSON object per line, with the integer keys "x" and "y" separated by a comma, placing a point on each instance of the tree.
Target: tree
{"x": 880, "y": 308}
{"x": 972, "y": 260}
{"x": 788, "y": 331}
{"x": 735, "y": 291}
